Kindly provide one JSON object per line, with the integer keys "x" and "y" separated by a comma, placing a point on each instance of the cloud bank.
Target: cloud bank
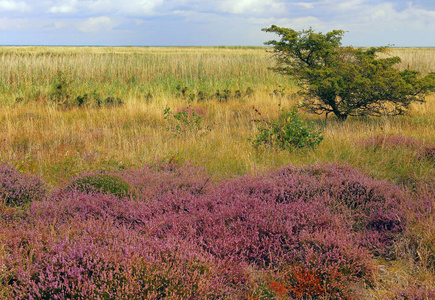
{"x": 207, "y": 22}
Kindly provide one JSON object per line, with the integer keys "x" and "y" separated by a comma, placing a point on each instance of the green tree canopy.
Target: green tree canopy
{"x": 346, "y": 81}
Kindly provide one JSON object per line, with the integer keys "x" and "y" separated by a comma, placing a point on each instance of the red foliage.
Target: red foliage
{"x": 279, "y": 288}
{"x": 306, "y": 283}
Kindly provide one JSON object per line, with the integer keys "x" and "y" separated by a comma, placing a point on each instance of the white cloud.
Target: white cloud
{"x": 305, "y": 5}
{"x": 106, "y": 7}
{"x": 386, "y": 16}
{"x": 368, "y": 22}
{"x": 66, "y": 7}
{"x": 97, "y": 24}
{"x": 140, "y": 7}
{"x": 7, "y": 5}
{"x": 348, "y": 4}
{"x": 294, "y": 23}
{"x": 132, "y": 7}
{"x": 200, "y": 17}
{"x": 251, "y": 6}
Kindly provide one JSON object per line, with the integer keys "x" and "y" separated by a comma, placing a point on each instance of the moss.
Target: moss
{"x": 102, "y": 183}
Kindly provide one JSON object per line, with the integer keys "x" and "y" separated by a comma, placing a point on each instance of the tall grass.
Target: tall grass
{"x": 38, "y": 137}
{"x": 28, "y": 73}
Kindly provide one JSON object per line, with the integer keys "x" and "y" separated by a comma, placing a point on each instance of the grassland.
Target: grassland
{"x": 39, "y": 136}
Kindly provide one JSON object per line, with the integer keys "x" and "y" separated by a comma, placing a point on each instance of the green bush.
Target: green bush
{"x": 102, "y": 183}
{"x": 62, "y": 95}
{"x": 346, "y": 81}
{"x": 186, "y": 120}
{"x": 61, "y": 90}
{"x": 288, "y": 132}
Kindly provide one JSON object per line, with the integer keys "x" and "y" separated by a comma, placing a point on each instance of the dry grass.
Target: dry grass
{"x": 40, "y": 138}
{"x": 420, "y": 59}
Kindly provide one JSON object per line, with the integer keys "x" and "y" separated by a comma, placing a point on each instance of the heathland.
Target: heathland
{"x": 190, "y": 209}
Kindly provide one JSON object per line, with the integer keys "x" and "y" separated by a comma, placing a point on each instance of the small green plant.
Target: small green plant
{"x": 288, "y": 132}
{"x": 221, "y": 96}
{"x": 95, "y": 100}
{"x": 62, "y": 95}
{"x": 102, "y": 183}
{"x": 112, "y": 102}
{"x": 187, "y": 120}
{"x": 61, "y": 89}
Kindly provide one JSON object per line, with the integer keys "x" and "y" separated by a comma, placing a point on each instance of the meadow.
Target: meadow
{"x": 190, "y": 209}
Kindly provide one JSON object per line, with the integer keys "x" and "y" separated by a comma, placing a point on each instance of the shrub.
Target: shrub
{"x": 112, "y": 102}
{"x": 327, "y": 267}
{"x": 62, "y": 95}
{"x": 288, "y": 132}
{"x": 220, "y": 96}
{"x": 100, "y": 183}
{"x": 301, "y": 233}
{"x": 187, "y": 120}
{"x": 61, "y": 91}
{"x": 17, "y": 188}
{"x": 346, "y": 81}
{"x": 413, "y": 292}
{"x": 375, "y": 207}
{"x": 92, "y": 259}
{"x": 93, "y": 100}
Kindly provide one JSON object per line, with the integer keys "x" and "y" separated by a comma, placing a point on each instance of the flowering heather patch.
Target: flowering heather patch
{"x": 374, "y": 206}
{"x": 427, "y": 152}
{"x": 95, "y": 259}
{"x": 151, "y": 181}
{"x": 423, "y": 151}
{"x": 308, "y": 232}
{"x": 326, "y": 263}
{"x": 17, "y": 188}
{"x": 413, "y": 292}
{"x": 391, "y": 141}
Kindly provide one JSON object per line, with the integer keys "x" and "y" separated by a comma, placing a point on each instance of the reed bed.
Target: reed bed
{"x": 28, "y": 73}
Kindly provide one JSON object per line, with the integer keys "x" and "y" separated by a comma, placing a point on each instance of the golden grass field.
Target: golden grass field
{"x": 38, "y": 136}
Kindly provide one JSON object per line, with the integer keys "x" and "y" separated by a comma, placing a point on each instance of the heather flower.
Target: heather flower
{"x": 308, "y": 232}
{"x": 391, "y": 141}
{"x": 427, "y": 152}
{"x": 413, "y": 292}
{"x": 17, "y": 188}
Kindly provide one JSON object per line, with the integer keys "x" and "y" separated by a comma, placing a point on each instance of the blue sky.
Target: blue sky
{"x": 207, "y": 22}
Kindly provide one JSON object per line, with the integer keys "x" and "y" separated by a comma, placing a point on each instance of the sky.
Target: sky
{"x": 401, "y": 23}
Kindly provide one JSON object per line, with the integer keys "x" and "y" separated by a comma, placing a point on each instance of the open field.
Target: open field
{"x": 39, "y": 137}
{"x": 41, "y": 134}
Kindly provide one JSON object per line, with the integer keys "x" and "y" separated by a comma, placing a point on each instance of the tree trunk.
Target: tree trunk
{"x": 342, "y": 117}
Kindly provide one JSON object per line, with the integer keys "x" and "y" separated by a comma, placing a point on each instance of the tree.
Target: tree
{"x": 346, "y": 81}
